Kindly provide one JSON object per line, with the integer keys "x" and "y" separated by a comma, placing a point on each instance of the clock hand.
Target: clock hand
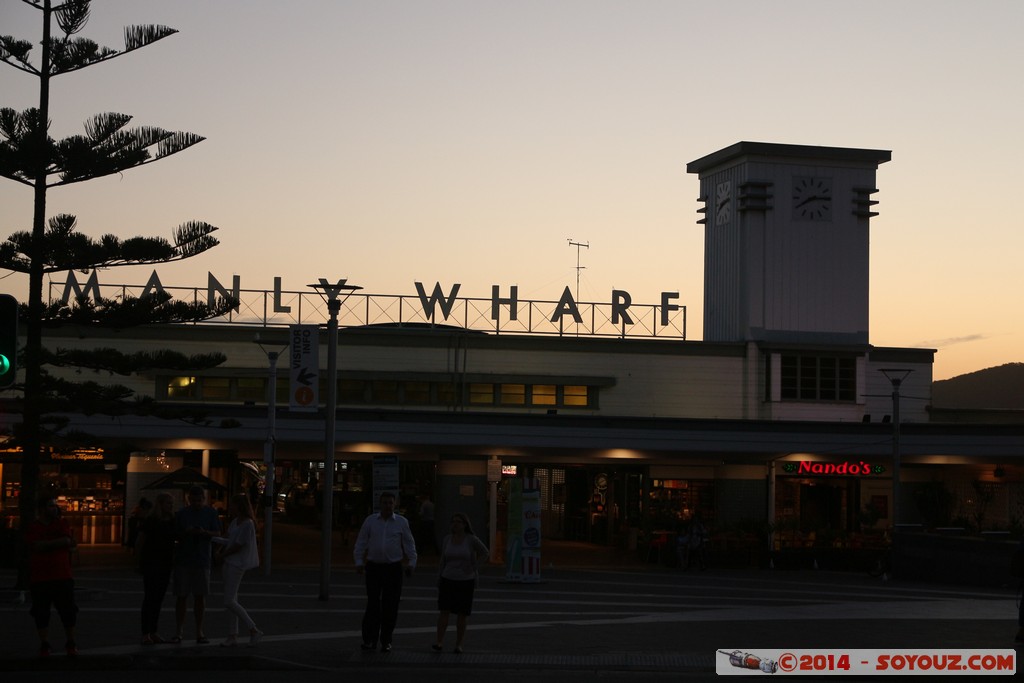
{"x": 811, "y": 199}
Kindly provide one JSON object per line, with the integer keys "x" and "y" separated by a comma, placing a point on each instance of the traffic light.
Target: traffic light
{"x": 8, "y": 340}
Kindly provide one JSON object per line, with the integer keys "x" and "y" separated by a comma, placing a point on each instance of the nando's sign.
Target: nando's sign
{"x": 619, "y": 316}
{"x": 846, "y": 468}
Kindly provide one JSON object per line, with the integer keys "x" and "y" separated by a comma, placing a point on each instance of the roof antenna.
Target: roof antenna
{"x": 578, "y": 245}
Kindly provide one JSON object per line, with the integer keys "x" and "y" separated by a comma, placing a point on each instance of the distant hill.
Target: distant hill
{"x": 998, "y": 388}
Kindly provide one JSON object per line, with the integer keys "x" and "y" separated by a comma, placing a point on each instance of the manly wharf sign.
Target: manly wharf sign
{"x": 501, "y": 313}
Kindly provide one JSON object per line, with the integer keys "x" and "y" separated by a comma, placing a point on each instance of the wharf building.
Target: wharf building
{"x": 784, "y": 418}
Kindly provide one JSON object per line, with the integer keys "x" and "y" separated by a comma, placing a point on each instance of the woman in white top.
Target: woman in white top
{"x": 240, "y": 554}
{"x": 462, "y": 553}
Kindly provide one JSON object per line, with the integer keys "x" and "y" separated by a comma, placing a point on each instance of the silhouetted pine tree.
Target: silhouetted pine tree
{"x": 28, "y": 155}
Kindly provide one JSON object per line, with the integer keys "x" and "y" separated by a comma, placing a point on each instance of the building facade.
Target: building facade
{"x": 784, "y": 418}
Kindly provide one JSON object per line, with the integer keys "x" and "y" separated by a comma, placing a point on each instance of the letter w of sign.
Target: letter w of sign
{"x": 436, "y": 297}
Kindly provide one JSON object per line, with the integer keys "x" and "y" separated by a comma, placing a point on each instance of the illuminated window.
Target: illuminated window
{"x": 481, "y": 394}
{"x": 419, "y": 392}
{"x": 181, "y": 387}
{"x": 513, "y": 394}
{"x": 574, "y": 395}
{"x": 544, "y": 395}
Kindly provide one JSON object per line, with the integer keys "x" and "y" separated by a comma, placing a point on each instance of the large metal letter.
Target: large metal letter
{"x": 567, "y": 305}
{"x": 620, "y": 302}
{"x": 153, "y": 286}
{"x": 497, "y": 301}
{"x": 435, "y": 297}
{"x": 91, "y": 287}
{"x": 278, "y": 308}
{"x": 666, "y": 307}
{"x": 213, "y": 286}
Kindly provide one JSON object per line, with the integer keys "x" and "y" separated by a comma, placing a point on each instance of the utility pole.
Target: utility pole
{"x": 578, "y": 245}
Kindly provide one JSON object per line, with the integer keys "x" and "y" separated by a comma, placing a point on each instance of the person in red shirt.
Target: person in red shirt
{"x": 50, "y": 543}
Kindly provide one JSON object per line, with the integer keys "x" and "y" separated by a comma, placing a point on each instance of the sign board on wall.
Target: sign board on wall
{"x": 385, "y": 477}
{"x": 493, "y": 470}
{"x": 847, "y": 468}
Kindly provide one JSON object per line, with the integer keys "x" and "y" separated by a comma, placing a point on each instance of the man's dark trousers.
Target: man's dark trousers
{"x": 383, "y": 592}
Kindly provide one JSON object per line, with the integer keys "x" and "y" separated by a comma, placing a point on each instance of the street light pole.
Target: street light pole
{"x": 268, "y": 460}
{"x": 895, "y": 377}
{"x": 330, "y": 436}
{"x": 330, "y": 295}
{"x": 268, "y": 457}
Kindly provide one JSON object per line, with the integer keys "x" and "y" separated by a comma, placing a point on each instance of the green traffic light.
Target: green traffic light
{"x": 8, "y": 340}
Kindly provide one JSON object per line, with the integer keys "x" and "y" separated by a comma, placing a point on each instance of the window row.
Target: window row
{"x": 387, "y": 392}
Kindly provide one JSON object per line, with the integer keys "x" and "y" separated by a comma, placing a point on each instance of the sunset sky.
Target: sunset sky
{"x": 467, "y": 141}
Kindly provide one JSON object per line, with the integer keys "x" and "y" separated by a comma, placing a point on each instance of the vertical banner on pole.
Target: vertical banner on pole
{"x": 304, "y": 368}
{"x": 522, "y": 555}
{"x": 514, "y": 537}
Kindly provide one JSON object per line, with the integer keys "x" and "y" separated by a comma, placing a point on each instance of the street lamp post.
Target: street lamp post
{"x": 895, "y": 377}
{"x": 330, "y": 294}
{"x": 268, "y": 456}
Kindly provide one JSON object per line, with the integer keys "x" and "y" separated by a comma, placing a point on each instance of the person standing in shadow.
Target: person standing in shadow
{"x": 141, "y": 511}
{"x": 154, "y": 546}
{"x": 427, "y": 539}
{"x": 698, "y": 536}
{"x": 383, "y": 546}
{"x": 196, "y": 524}
{"x": 462, "y": 553}
{"x": 50, "y": 543}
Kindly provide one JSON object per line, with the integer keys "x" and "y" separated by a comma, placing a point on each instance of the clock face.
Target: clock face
{"x": 812, "y": 198}
{"x": 723, "y": 202}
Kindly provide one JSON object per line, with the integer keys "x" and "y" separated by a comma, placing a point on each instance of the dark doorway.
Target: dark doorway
{"x": 821, "y": 507}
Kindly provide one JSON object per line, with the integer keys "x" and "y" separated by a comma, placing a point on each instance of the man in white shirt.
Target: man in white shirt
{"x": 384, "y": 548}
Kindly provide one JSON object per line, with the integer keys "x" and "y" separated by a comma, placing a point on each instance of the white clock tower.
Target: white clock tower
{"x": 786, "y": 242}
